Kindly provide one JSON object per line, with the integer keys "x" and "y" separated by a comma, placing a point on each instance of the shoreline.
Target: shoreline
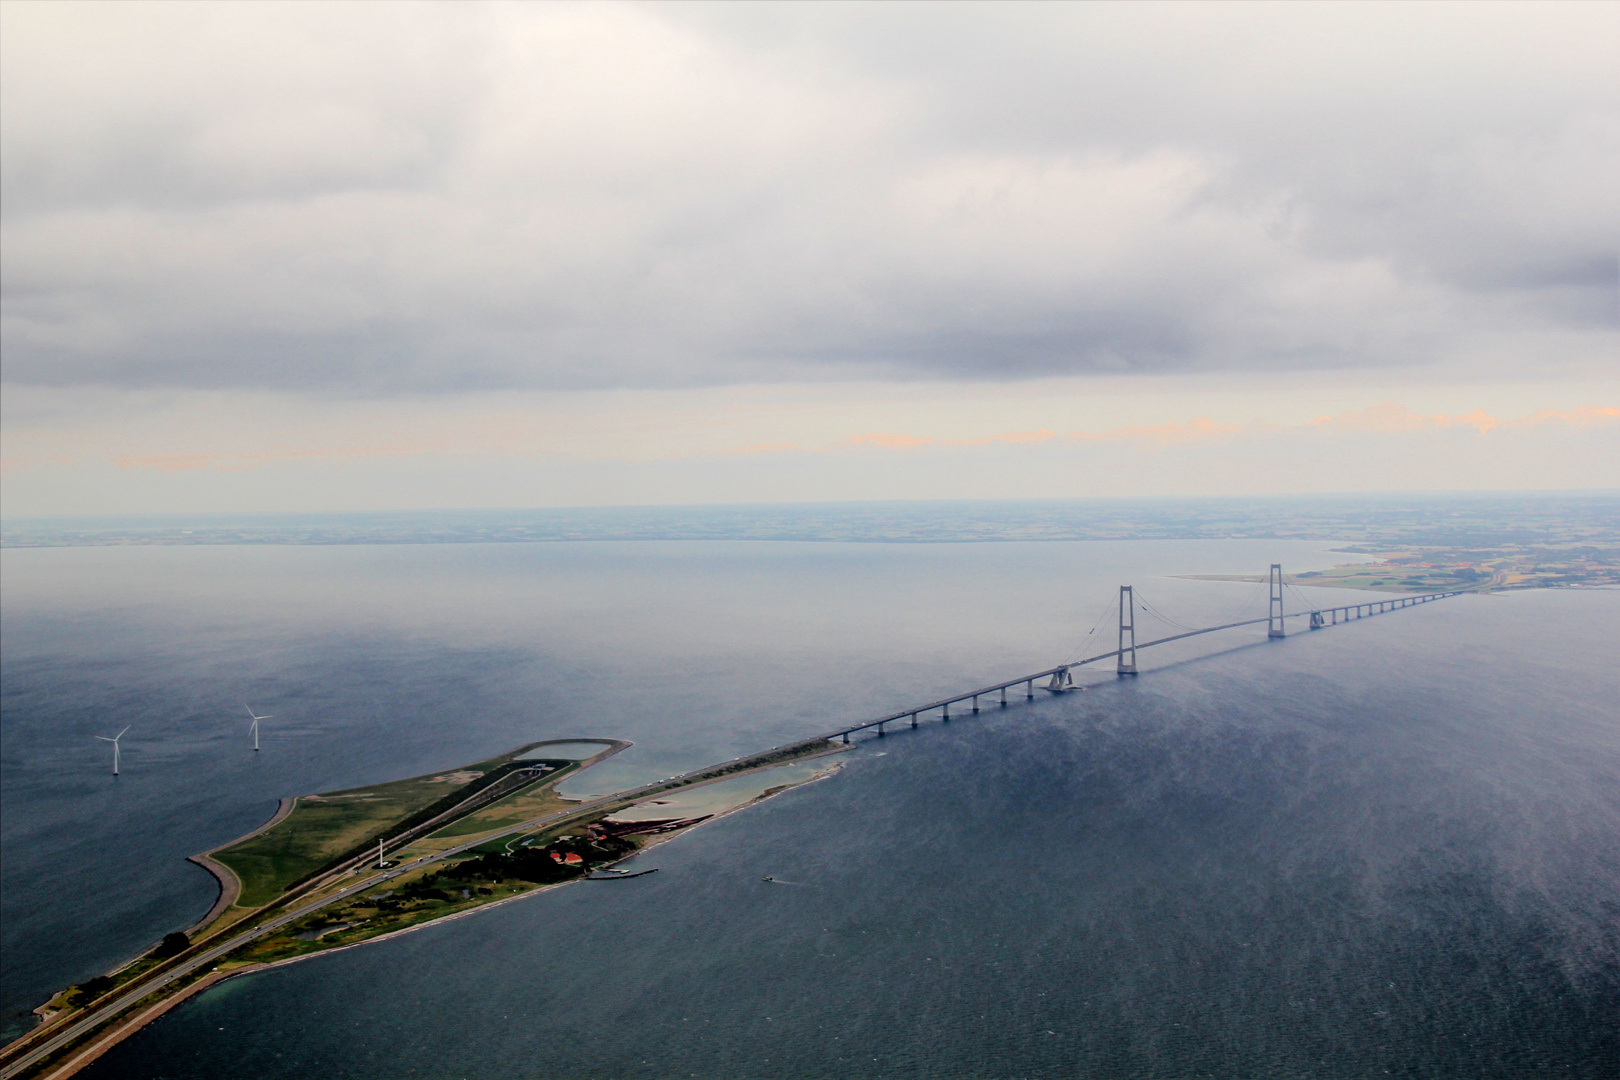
{"x": 652, "y": 842}
{"x": 140, "y": 1015}
{"x": 120, "y": 1031}
{"x": 230, "y": 886}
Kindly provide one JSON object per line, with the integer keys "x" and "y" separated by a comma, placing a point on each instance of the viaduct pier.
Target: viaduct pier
{"x": 1059, "y": 679}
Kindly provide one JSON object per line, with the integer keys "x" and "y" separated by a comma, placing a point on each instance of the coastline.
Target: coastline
{"x": 230, "y": 886}
{"x": 230, "y": 889}
{"x": 118, "y": 1032}
{"x": 652, "y": 842}
{"x": 121, "y": 1030}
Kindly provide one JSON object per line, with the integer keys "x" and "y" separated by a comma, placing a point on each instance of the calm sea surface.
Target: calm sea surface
{"x": 1388, "y": 849}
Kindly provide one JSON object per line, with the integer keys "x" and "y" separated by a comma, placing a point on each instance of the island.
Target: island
{"x": 336, "y": 869}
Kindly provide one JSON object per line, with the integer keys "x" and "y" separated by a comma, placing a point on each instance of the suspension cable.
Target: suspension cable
{"x": 1081, "y": 648}
{"x": 1304, "y": 601}
{"x": 1161, "y": 616}
{"x": 1251, "y": 601}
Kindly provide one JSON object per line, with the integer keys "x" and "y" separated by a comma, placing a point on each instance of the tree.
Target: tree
{"x": 172, "y": 945}
{"x": 89, "y": 990}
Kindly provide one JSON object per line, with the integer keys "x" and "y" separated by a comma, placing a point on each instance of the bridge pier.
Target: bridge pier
{"x": 1062, "y": 677}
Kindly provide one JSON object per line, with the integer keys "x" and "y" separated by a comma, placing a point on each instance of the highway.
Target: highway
{"x": 104, "y": 1012}
{"x": 112, "y": 1006}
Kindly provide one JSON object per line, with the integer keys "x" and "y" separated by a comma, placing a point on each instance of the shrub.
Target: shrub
{"x": 172, "y": 945}
{"x": 90, "y": 989}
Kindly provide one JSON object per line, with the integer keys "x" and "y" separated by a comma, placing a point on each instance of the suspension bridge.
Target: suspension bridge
{"x": 89, "y": 1033}
{"x": 1060, "y": 679}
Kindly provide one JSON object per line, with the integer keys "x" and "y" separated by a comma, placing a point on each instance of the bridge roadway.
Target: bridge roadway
{"x": 114, "y": 1007}
{"x": 1319, "y": 618}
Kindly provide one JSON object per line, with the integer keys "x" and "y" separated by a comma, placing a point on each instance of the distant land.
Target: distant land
{"x": 1456, "y": 520}
{"x": 1447, "y": 540}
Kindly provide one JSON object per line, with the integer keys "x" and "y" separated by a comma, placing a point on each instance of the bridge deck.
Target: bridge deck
{"x": 1372, "y": 607}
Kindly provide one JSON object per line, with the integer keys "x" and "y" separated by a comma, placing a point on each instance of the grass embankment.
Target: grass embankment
{"x": 323, "y": 829}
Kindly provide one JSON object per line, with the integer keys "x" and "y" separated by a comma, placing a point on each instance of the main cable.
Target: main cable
{"x": 1152, "y": 610}
{"x": 1081, "y": 647}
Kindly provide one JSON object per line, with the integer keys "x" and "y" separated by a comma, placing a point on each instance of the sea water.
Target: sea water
{"x": 1388, "y": 848}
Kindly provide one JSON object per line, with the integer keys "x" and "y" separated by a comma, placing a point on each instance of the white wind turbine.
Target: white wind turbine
{"x": 114, "y": 741}
{"x": 255, "y": 725}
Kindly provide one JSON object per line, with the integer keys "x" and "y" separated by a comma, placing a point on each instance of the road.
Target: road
{"x": 113, "y": 1007}
{"x": 102, "y": 1013}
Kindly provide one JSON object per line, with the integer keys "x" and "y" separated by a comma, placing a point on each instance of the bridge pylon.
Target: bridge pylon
{"x": 1127, "y": 632}
{"x": 1274, "y": 624}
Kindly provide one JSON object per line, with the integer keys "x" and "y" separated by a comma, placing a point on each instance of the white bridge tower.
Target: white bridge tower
{"x": 1274, "y": 627}
{"x": 1127, "y": 632}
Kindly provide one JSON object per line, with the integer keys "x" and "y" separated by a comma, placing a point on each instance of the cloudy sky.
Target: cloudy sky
{"x": 289, "y": 256}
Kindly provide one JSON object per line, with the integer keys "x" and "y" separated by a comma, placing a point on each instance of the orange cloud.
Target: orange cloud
{"x": 1391, "y": 418}
{"x": 890, "y": 442}
{"x": 763, "y": 448}
{"x": 1010, "y": 437}
{"x": 28, "y": 461}
{"x": 1385, "y": 418}
{"x": 1201, "y": 427}
{"x": 246, "y": 462}
{"x": 168, "y": 462}
{"x": 1584, "y": 416}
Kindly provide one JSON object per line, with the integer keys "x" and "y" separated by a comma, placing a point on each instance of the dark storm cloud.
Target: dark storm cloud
{"x": 442, "y": 197}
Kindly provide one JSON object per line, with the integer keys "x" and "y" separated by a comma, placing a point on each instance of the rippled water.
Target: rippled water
{"x": 1385, "y": 849}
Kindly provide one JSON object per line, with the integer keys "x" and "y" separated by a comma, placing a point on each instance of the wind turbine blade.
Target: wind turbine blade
{"x": 120, "y": 735}
{"x": 104, "y": 738}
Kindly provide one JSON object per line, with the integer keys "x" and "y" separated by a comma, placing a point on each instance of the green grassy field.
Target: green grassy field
{"x": 513, "y": 810}
{"x": 323, "y": 827}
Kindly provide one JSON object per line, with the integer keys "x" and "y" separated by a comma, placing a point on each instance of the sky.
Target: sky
{"x": 324, "y": 256}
